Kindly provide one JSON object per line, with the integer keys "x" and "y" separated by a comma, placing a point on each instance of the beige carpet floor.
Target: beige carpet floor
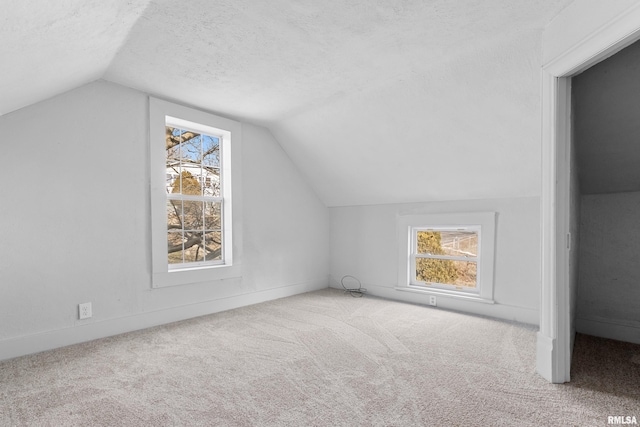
{"x": 320, "y": 359}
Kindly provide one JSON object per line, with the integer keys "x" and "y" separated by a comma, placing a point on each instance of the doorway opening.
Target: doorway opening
{"x": 605, "y": 185}
{"x": 559, "y": 277}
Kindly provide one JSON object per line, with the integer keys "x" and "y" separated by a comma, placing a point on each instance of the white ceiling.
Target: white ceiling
{"x": 376, "y": 101}
{"x": 49, "y": 47}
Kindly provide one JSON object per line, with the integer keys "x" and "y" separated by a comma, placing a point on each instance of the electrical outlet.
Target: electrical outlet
{"x": 432, "y": 300}
{"x": 84, "y": 310}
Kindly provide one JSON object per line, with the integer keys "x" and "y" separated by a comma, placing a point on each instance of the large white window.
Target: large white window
{"x": 447, "y": 254}
{"x": 195, "y": 196}
{"x": 192, "y": 185}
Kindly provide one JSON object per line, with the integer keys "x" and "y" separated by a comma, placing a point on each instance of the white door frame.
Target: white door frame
{"x": 554, "y": 337}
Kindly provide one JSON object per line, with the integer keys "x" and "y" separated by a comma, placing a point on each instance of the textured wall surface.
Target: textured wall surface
{"x": 76, "y": 220}
{"x": 609, "y": 286}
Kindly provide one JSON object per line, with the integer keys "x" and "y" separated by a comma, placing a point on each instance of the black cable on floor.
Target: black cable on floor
{"x": 355, "y": 292}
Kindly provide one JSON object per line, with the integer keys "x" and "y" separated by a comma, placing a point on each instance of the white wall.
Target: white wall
{"x": 609, "y": 287}
{"x": 76, "y": 224}
{"x": 364, "y": 244}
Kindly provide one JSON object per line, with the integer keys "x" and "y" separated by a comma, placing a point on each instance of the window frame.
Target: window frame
{"x": 414, "y": 255}
{"x": 221, "y": 135}
{"x": 164, "y": 274}
{"x": 482, "y": 222}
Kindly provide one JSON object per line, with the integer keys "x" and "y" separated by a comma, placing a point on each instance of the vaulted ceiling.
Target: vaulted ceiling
{"x": 376, "y": 101}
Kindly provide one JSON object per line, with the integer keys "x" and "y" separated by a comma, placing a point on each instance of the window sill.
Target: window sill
{"x": 444, "y": 293}
{"x": 196, "y": 275}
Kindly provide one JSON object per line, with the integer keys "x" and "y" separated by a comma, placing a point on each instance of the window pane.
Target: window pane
{"x": 173, "y": 159}
{"x": 211, "y": 182}
{"x": 193, "y": 250}
{"x": 192, "y": 215}
{"x": 448, "y": 272}
{"x": 174, "y": 214}
{"x": 193, "y": 168}
{"x": 190, "y": 148}
{"x": 212, "y": 243}
{"x": 173, "y": 181}
{"x": 212, "y": 216}
{"x": 210, "y": 151}
{"x": 174, "y": 247}
{"x": 173, "y": 145}
{"x": 189, "y": 181}
{"x": 452, "y": 243}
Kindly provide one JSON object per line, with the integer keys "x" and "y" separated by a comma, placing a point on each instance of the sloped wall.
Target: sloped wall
{"x": 364, "y": 244}
{"x": 76, "y": 224}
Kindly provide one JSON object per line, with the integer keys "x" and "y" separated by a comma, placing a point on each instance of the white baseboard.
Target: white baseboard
{"x": 499, "y": 311}
{"x": 35, "y": 343}
{"x": 609, "y": 328}
{"x": 545, "y": 356}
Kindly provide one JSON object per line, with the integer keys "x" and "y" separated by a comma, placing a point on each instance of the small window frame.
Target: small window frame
{"x": 482, "y": 222}
{"x": 414, "y": 255}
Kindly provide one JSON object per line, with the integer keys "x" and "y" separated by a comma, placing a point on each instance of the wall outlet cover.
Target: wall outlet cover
{"x": 84, "y": 310}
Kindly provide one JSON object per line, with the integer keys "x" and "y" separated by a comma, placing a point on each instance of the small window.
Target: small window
{"x": 447, "y": 254}
{"x": 445, "y": 258}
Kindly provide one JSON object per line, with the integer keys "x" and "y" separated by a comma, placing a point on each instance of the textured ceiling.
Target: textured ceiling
{"x": 375, "y": 101}
{"x": 607, "y": 124}
{"x": 269, "y": 60}
{"x": 50, "y": 47}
